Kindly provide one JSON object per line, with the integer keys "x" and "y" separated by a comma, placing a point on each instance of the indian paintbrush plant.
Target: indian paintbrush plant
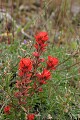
{"x": 32, "y": 76}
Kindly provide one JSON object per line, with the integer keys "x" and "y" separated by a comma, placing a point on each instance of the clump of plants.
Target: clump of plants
{"x": 34, "y": 73}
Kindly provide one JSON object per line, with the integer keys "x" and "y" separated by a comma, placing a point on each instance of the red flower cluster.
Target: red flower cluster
{"x": 45, "y": 75}
{"x": 52, "y": 63}
{"x": 41, "y": 38}
{"x": 30, "y": 117}
{"x": 7, "y": 109}
{"x": 25, "y": 66}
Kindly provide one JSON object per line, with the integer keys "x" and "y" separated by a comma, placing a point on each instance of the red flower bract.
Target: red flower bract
{"x": 25, "y": 65}
{"x": 52, "y": 62}
{"x": 45, "y": 75}
{"x": 7, "y": 109}
{"x": 36, "y": 54}
{"x": 18, "y": 94}
{"x": 42, "y": 82}
{"x": 41, "y": 37}
{"x": 30, "y": 117}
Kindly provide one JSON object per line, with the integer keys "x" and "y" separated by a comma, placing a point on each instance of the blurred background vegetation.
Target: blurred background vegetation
{"x": 55, "y": 16}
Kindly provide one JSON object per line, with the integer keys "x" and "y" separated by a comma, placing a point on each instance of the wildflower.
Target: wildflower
{"x": 7, "y": 109}
{"x": 25, "y": 41}
{"x": 41, "y": 37}
{"x": 25, "y": 65}
{"x": 31, "y": 116}
{"x": 31, "y": 81}
{"x": 52, "y": 62}
{"x": 45, "y": 75}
